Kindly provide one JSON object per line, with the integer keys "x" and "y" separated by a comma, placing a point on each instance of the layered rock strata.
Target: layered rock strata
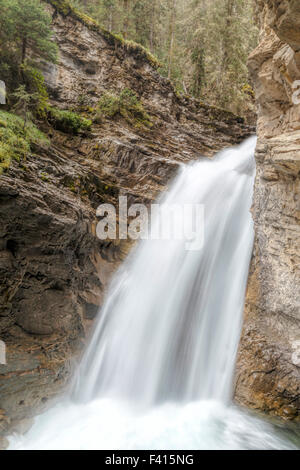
{"x": 53, "y": 268}
{"x": 268, "y": 375}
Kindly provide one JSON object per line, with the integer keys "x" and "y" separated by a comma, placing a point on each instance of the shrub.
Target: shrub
{"x": 68, "y": 121}
{"x": 36, "y": 84}
{"x": 127, "y": 105}
{"x": 108, "y": 106}
{"x": 36, "y": 96}
{"x": 16, "y": 139}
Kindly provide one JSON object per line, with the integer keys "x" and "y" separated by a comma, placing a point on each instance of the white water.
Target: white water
{"x": 159, "y": 368}
{"x": 171, "y": 323}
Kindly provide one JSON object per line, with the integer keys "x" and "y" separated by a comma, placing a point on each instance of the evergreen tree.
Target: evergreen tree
{"x": 25, "y": 25}
{"x": 202, "y": 44}
{"x": 171, "y": 38}
{"x": 25, "y": 103}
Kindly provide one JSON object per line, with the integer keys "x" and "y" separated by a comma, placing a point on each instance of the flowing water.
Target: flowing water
{"x": 158, "y": 371}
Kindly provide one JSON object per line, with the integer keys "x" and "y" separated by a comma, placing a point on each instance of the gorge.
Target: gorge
{"x": 164, "y": 347}
{"x": 55, "y": 271}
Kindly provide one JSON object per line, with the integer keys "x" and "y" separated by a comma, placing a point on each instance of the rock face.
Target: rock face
{"x": 268, "y": 375}
{"x": 53, "y": 268}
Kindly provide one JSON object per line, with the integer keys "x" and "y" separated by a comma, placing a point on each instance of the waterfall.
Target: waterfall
{"x": 158, "y": 370}
{"x": 170, "y": 327}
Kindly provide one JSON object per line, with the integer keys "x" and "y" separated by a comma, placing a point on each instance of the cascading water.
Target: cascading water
{"x": 171, "y": 324}
{"x": 158, "y": 371}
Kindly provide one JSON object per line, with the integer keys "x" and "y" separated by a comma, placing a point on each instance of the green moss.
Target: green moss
{"x": 68, "y": 121}
{"x": 5, "y": 157}
{"x": 62, "y": 6}
{"x": 44, "y": 176}
{"x": 248, "y": 90}
{"x": 16, "y": 139}
{"x": 127, "y": 105}
{"x": 72, "y": 187}
{"x": 140, "y": 52}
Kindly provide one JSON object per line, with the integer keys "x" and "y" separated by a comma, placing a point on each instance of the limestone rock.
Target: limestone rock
{"x": 53, "y": 268}
{"x": 268, "y": 373}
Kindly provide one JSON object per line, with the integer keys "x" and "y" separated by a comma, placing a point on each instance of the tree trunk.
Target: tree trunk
{"x": 126, "y": 18}
{"x": 24, "y": 49}
{"x": 110, "y": 20}
{"x": 171, "y": 37}
{"x": 152, "y": 25}
{"x": 227, "y": 36}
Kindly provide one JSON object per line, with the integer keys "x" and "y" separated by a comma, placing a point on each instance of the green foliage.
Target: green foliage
{"x": 62, "y": 6}
{"x": 25, "y": 103}
{"x": 36, "y": 84}
{"x": 127, "y": 105}
{"x": 201, "y": 45}
{"x": 138, "y": 50}
{"x": 37, "y": 104}
{"x": 132, "y": 109}
{"x": 68, "y": 121}
{"x": 108, "y": 106}
{"x": 221, "y": 35}
{"x": 25, "y": 36}
{"x": 26, "y": 24}
{"x": 16, "y": 139}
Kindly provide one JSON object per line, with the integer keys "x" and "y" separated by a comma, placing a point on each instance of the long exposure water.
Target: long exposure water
{"x": 158, "y": 371}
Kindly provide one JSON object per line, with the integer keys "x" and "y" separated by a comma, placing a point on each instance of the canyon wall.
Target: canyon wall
{"x": 268, "y": 373}
{"x": 53, "y": 268}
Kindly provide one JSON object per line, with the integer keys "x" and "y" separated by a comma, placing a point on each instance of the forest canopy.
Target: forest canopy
{"x": 202, "y": 45}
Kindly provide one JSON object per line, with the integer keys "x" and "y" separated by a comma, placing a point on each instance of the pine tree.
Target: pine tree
{"x": 222, "y": 34}
{"x": 202, "y": 44}
{"x": 25, "y": 103}
{"x": 171, "y": 39}
{"x": 27, "y": 25}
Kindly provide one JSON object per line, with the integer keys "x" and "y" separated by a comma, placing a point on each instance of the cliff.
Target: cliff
{"x": 268, "y": 375}
{"x": 53, "y": 269}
